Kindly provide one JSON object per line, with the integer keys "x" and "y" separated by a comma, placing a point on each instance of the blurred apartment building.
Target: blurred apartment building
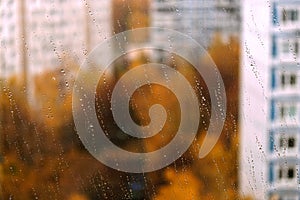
{"x": 270, "y": 100}
{"x": 200, "y": 19}
{"x": 38, "y": 34}
{"x": 10, "y": 37}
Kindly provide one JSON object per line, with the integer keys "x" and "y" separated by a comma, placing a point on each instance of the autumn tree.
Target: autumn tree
{"x": 217, "y": 174}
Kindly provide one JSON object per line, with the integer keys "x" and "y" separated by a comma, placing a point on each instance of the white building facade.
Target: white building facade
{"x": 270, "y": 100}
{"x": 53, "y": 29}
{"x": 10, "y": 37}
{"x": 200, "y": 19}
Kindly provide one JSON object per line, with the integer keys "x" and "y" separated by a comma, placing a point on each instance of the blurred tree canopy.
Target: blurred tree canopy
{"x": 43, "y": 157}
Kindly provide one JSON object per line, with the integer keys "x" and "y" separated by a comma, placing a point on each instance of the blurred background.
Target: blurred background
{"x": 44, "y": 42}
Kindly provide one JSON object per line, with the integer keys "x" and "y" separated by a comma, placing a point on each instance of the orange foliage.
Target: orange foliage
{"x": 43, "y": 157}
{"x": 181, "y": 185}
{"x": 54, "y": 98}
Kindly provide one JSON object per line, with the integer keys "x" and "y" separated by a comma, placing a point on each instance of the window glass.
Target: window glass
{"x": 118, "y": 99}
{"x": 291, "y": 173}
{"x": 288, "y": 79}
{"x": 293, "y": 79}
{"x": 291, "y": 142}
{"x": 282, "y": 79}
{"x": 289, "y": 15}
{"x": 287, "y": 111}
{"x": 149, "y": 99}
{"x": 286, "y": 173}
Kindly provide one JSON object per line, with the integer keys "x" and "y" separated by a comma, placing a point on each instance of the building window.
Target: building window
{"x": 286, "y": 173}
{"x": 293, "y": 79}
{"x": 280, "y": 174}
{"x": 290, "y": 173}
{"x": 289, "y": 15}
{"x": 287, "y": 142}
{"x": 291, "y": 142}
{"x": 286, "y": 47}
{"x": 292, "y": 111}
{"x": 290, "y": 47}
{"x": 282, "y": 112}
{"x": 283, "y": 14}
{"x": 287, "y": 111}
{"x": 296, "y": 47}
{"x": 282, "y": 79}
{"x": 288, "y": 79}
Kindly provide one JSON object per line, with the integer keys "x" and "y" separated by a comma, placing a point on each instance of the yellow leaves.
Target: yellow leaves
{"x": 139, "y": 59}
{"x": 226, "y": 56}
{"x": 77, "y": 197}
{"x": 53, "y": 97}
{"x": 213, "y": 177}
{"x": 138, "y": 19}
{"x": 141, "y": 102}
{"x": 218, "y": 170}
{"x": 181, "y": 185}
{"x": 130, "y": 14}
